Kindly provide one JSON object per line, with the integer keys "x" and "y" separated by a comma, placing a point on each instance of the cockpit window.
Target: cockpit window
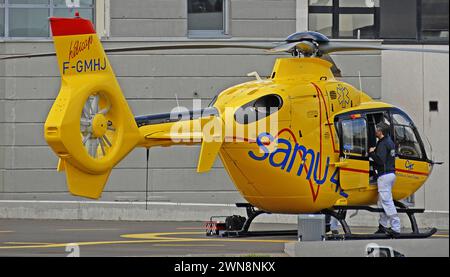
{"x": 258, "y": 109}
{"x": 406, "y": 137}
{"x": 354, "y": 137}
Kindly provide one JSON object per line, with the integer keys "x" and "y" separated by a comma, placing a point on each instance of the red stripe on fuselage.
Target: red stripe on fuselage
{"x": 354, "y": 170}
{"x": 328, "y": 121}
{"x": 314, "y": 194}
{"x": 412, "y": 172}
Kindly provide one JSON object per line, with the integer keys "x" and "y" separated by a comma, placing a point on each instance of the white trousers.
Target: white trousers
{"x": 334, "y": 224}
{"x": 385, "y": 201}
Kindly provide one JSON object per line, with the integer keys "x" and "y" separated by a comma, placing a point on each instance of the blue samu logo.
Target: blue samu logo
{"x": 285, "y": 155}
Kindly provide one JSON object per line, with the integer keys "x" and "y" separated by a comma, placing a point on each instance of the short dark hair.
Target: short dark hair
{"x": 383, "y": 127}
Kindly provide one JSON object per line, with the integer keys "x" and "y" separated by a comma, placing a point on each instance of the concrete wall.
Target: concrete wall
{"x": 411, "y": 80}
{"x": 151, "y": 80}
{"x": 168, "y": 18}
{"x": 2, "y": 119}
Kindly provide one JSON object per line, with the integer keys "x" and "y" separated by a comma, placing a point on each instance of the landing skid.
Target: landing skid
{"x": 252, "y": 213}
{"x": 421, "y": 235}
{"x": 340, "y": 212}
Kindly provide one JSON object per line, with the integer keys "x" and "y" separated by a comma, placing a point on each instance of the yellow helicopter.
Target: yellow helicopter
{"x": 295, "y": 142}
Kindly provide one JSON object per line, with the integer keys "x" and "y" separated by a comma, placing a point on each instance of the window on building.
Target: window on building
{"x": 395, "y": 24}
{"x": 207, "y": 17}
{"x": 345, "y": 18}
{"x": 405, "y": 21}
{"x": 2, "y": 18}
{"x": 29, "y": 18}
{"x": 434, "y": 20}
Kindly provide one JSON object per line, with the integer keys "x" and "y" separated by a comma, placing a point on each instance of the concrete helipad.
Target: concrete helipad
{"x": 131, "y": 238}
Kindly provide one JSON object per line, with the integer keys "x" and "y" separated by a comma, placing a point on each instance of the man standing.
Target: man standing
{"x": 383, "y": 156}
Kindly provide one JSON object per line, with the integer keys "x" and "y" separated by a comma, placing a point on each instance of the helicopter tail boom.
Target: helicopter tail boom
{"x": 206, "y": 129}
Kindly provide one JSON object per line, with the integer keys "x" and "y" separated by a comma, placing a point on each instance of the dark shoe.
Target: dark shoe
{"x": 334, "y": 232}
{"x": 392, "y": 233}
{"x": 381, "y": 230}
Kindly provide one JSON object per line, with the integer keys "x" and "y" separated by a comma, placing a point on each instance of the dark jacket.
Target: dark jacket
{"x": 384, "y": 156}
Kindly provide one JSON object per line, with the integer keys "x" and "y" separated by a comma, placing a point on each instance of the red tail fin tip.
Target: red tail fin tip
{"x": 71, "y": 26}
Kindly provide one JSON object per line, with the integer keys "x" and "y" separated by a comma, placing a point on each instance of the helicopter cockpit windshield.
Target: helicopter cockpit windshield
{"x": 406, "y": 137}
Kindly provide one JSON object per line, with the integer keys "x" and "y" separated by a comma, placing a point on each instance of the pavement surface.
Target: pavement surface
{"x": 30, "y": 238}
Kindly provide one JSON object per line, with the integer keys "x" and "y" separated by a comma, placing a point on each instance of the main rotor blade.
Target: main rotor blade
{"x": 286, "y": 47}
{"x": 28, "y": 56}
{"x": 188, "y": 46}
{"x": 340, "y": 47}
{"x": 267, "y": 46}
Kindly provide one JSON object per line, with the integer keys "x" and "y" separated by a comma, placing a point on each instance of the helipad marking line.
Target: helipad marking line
{"x": 188, "y": 245}
{"x": 158, "y": 236}
{"x": 89, "y": 229}
{"x": 6, "y": 231}
{"x": 152, "y": 238}
{"x": 440, "y": 236}
{"x": 56, "y": 245}
{"x": 190, "y": 228}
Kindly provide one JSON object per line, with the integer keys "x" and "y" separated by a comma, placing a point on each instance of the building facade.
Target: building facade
{"x": 154, "y": 82}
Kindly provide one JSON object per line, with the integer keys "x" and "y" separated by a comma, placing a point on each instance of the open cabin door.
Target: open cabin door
{"x": 354, "y": 161}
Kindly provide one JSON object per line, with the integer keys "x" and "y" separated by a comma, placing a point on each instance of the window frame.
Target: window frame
{"x": 335, "y": 10}
{"x": 3, "y": 7}
{"x": 98, "y": 8}
{"x": 225, "y": 33}
{"x": 353, "y": 155}
{"x": 419, "y": 35}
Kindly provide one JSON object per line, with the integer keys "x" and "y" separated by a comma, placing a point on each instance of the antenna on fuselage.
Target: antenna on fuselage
{"x": 255, "y": 74}
{"x": 359, "y": 78}
{"x": 360, "y": 86}
{"x": 178, "y": 104}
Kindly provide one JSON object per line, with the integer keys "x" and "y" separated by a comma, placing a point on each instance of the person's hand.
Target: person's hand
{"x": 371, "y": 149}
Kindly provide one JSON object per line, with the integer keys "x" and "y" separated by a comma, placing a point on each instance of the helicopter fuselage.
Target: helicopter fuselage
{"x": 301, "y": 164}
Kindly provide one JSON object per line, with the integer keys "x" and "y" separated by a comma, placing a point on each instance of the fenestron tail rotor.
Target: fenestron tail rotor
{"x": 96, "y": 129}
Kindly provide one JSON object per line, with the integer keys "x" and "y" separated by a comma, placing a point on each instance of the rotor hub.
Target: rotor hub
{"x": 99, "y": 125}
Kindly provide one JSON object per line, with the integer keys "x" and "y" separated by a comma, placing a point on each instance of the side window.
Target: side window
{"x": 354, "y": 137}
{"x": 207, "y": 18}
{"x": 2, "y": 18}
{"x": 258, "y": 109}
{"x": 405, "y": 137}
{"x": 29, "y": 18}
{"x": 373, "y": 119}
